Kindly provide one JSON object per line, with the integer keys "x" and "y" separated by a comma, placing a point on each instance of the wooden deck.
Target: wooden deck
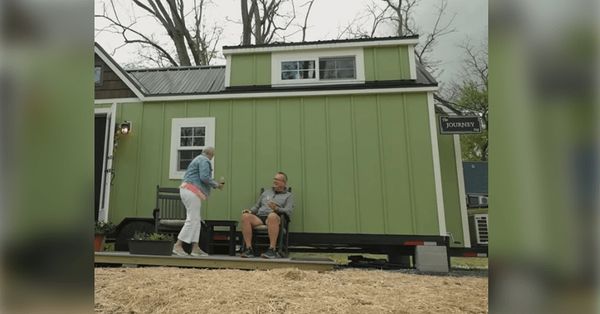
{"x": 214, "y": 261}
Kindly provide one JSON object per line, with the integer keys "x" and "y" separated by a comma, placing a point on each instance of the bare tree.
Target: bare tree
{"x": 195, "y": 43}
{"x": 473, "y": 91}
{"x": 399, "y": 15}
{"x": 374, "y": 16}
{"x": 469, "y": 94}
{"x": 404, "y": 23}
{"x": 402, "y": 13}
{"x": 267, "y": 20}
{"x": 440, "y": 29}
{"x": 247, "y": 16}
{"x": 305, "y": 25}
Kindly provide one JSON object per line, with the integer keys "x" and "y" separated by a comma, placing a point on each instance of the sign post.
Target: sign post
{"x": 459, "y": 124}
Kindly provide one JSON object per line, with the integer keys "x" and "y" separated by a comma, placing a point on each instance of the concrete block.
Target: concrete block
{"x": 431, "y": 259}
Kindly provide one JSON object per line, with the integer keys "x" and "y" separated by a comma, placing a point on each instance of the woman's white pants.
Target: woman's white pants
{"x": 190, "y": 233}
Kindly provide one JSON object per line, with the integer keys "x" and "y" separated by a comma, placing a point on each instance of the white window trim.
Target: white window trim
{"x": 314, "y": 69}
{"x": 176, "y": 125}
{"x": 228, "y": 71}
{"x": 277, "y": 58}
{"x": 412, "y": 62}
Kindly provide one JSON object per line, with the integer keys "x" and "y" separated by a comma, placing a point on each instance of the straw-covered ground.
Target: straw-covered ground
{"x": 185, "y": 290}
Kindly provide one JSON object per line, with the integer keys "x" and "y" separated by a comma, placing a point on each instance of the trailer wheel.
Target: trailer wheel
{"x": 128, "y": 230}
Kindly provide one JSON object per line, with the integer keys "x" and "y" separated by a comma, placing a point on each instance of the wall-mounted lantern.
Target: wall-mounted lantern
{"x": 125, "y": 127}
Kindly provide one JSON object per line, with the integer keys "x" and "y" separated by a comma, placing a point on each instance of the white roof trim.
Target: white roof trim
{"x": 119, "y": 73}
{"x": 363, "y": 44}
{"x": 295, "y": 93}
{"x": 115, "y": 100}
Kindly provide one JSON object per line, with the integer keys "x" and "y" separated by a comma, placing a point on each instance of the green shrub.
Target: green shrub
{"x": 104, "y": 227}
{"x": 152, "y": 236}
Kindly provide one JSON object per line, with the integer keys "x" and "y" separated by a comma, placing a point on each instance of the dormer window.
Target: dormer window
{"x": 298, "y": 70}
{"x": 330, "y": 68}
{"x": 337, "y": 68}
{"x": 318, "y": 67}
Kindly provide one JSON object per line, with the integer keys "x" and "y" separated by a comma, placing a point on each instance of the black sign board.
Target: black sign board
{"x": 459, "y": 124}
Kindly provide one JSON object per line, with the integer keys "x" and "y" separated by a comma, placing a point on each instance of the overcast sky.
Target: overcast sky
{"x": 327, "y": 19}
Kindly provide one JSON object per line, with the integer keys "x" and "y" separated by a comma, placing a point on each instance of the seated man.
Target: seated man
{"x": 270, "y": 204}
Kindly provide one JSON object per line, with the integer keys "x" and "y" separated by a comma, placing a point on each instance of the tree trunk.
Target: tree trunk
{"x": 258, "y": 35}
{"x": 180, "y": 47}
{"x": 246, "y": 23}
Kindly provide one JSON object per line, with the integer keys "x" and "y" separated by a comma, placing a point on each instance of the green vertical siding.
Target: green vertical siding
{"x": 419, "y": 139}
{"x": 291, "y": 121}
{"x": 315, "y": 176}
{"x": 343, "y": 190}
{"x": 250, "y": 69}
{"x": 122, "y": 193}
{"x": 368, "y": 168}
{"x": 357, "y": 164}
{"x": 452, "y": 196}
{"x": 222, "y": 111}
{"x": 241, "y": 182}
{"x": 387, "y": 63}
{"x": 400, "y": 213}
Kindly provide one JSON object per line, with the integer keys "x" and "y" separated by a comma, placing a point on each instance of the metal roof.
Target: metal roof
{"x": 423, "y": 76}
{"x": 320, "y": 42}
{"x": 181, "y": 80}
{"x": 211, "y": 79}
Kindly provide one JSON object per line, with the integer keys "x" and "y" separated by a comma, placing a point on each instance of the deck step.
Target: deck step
{"x": 214, "y": 261}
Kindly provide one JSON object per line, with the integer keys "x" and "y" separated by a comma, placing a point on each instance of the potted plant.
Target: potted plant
{"x": 151, "y": 244}
{"x": 101, "y": 229}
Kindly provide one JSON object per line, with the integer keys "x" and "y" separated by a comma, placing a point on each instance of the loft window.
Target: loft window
{"x": 337, "y": 68}
{"x": 298, "y": 70}
{"x": 98, "y": 75}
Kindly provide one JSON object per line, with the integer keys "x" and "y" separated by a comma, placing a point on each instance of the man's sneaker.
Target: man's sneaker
{"x": 270, "y": 253}
{"x": 248, "y": 252}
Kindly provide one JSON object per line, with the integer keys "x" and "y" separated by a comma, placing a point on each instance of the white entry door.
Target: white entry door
{"x": 106, "y": 159}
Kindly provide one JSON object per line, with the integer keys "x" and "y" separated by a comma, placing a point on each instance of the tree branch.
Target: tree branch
{"x": 144, "y": 39}
{"x": 310, "y": 4}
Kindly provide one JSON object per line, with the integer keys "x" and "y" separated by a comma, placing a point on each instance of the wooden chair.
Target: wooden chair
{"x": 169, "y": 212}
{"x": 260, "y": 235}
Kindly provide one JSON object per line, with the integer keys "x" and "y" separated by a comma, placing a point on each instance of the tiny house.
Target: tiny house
{"x": 351, "y": 122}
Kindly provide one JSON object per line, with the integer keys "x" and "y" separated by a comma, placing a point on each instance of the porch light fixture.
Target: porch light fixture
{"x": 125, "y": 127}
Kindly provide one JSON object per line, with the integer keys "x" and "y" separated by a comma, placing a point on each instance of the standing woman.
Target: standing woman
{"x": 196, "y": 186}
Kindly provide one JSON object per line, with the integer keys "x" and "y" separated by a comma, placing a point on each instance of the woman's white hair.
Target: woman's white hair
{"x": 208, "y": 150}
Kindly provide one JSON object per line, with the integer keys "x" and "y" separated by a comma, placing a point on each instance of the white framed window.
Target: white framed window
{"x": 317, "y": 67}
{"x": 298, "y": 70}
{"x": 189, "y": 136}
{"x": 98, "y": 75}
{"x": 337, "y": 68}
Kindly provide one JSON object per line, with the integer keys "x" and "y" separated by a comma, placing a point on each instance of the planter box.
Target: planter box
{"x": 148, "y": 247}
{"x": 98, "y": 242}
